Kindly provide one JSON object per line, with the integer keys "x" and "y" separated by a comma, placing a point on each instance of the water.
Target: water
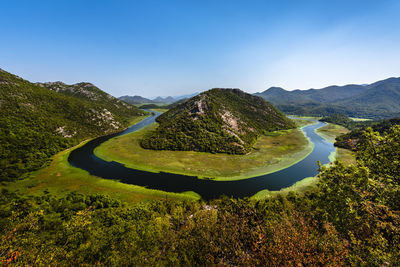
{"x": 84, "y": 158}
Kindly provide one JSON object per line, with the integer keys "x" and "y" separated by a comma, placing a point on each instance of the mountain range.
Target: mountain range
{"x": 377, "y": 100}
{"x": 158, "y": 100}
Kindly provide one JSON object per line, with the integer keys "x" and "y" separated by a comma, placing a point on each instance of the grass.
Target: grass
{"x": 162, "y": 110}
{"x": 300, "y": 187}
{"x": 61, "y": 178}
{"x": 360, "y": 119}
{"x": 330, "y": 132}
{"x": 271, "y": 153}
{"x": 305, "y": 117}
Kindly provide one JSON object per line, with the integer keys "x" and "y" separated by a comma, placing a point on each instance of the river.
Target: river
{"x": 84, "y": 158}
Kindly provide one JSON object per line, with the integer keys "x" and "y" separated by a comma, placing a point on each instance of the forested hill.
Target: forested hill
{"x": 217, "y": 121}
{"x": 36, "y": 122}
{"x": 88, "y": 91}
{"x": 377, "y": 100}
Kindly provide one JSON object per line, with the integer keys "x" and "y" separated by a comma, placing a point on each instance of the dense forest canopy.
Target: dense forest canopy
{"x": 350, "y": 140}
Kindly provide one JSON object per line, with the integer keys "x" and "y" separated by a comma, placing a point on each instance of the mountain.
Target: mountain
{"x": 91, "y": 93}
{"x": 382, "y": 96}
{"x": 217, "y": 121}
{"x": 185, "y": 96}
{"x": 36, "y": 122}
{"x": 135, "y": 99}
{"x": 158, "y": 100}
{"x": 329, "y": 94}
{"x": 377, "y": 100}
{"x": 166, "y": 100}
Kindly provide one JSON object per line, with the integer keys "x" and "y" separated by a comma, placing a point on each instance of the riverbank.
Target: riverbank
{"x": 60, "y": 178}
{"x": 329, "y": 132}
{"x": 271, "y": 153}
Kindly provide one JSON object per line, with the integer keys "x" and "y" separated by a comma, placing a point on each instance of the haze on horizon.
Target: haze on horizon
{"x": 152, "y": 48}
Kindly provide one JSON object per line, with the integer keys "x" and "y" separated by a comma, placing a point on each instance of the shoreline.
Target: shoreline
{"x": 302, "y": 154}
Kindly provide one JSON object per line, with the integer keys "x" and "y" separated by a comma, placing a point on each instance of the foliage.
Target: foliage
{"x": 351, "y": 219}
{"x": 36, "y": 123}
{"x": 95, "y": 230}
{"x": 339, "y": 119}
{"x": 350, "y": 140}
{"x": 363, "y": 201}
{"x": 216, "y": 121}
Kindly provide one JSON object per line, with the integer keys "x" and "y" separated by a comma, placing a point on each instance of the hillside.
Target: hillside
{"x": 377, "y": 100}
{"x": 217, "y": 121}
{"x": 92, "y": 94}
{"x": 351, "y": 139}
{"x": 36, "y": 123}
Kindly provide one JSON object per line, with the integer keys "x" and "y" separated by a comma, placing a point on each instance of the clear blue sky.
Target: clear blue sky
{"x": 165, "y": 47}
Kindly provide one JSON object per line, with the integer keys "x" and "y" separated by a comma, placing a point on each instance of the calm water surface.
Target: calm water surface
{"x": 84, "y": 158}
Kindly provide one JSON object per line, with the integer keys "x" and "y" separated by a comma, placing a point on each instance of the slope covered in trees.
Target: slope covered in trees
{"x": 377, "y": 100}
{"x": 350, "y": 140}
{"x": 352, "y": 218}
{"x": 91, "y": 93}
{"x": 36, "y": 123}
{"x": 217, "y": 121}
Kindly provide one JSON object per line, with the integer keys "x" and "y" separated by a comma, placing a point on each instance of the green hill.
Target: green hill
{"x": 36, "y": 123}
{"x": 217, "y": 121}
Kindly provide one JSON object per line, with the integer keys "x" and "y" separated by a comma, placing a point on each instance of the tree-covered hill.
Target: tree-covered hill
{"x": 36, "y": 123}
{"x": 91, "y": 93}
{"x": 217, "y": 121}
{"x": 377, "y": 100}
{"x": 351, "y": 139}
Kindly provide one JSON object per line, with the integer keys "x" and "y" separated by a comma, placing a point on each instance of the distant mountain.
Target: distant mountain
{"x": 38, "y": 120}
{"x": 157, "y": 100}
{"x": 377, "y": 100}
{"x": 165, "y": 100}
{"x": 185, "y": 96}
{"x": 217, "y": 121}
{"x": 382, "y": 96}
{"x": 135, "y": 99}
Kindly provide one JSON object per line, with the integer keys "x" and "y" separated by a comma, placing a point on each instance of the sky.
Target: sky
{"x": 152, "y": 48}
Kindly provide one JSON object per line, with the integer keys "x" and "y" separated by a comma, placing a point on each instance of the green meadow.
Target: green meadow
{"x": 60, "y": 178}
{"x": 330, "y": 132}
{"x": 273, "y": 152}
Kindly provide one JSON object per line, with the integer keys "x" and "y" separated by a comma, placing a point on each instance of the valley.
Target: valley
{"x": 160, "y": 173}
{"x": 200, "y": 133}
{"x": 270, "y": 153}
